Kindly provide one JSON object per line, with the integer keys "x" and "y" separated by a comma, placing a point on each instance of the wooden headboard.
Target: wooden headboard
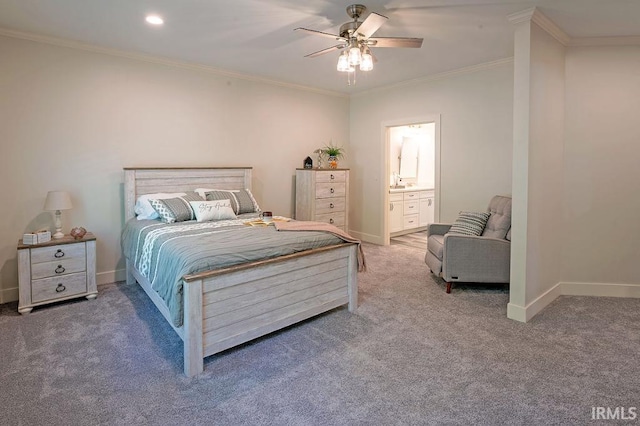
{"x": 147, "y": 180}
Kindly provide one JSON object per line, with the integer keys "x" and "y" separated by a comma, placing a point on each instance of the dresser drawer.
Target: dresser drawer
{"x": 59, "y": 252}
{"x": 331, "y": 176}
{"x": 58, "y": 267}
{"x": 411, "y": 221}
{"x": 330, "y": 205}
{"x": 326, "y": 190}
{"x": 58, "y": 287}
{"x": 411, "y": 207}
{"x": 336, "y": 219}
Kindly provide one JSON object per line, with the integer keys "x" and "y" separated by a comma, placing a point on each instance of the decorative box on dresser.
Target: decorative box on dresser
{"x": 322, "y": 195}
{"x": 57, "y": 270}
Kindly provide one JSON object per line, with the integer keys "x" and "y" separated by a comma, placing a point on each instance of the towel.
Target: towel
{"x": 303, "y": 225}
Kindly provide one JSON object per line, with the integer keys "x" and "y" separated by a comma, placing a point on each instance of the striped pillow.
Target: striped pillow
{"x": 242, "y": 200}
{"x": 176, "y": 209}
{"x": 470, "y": 223}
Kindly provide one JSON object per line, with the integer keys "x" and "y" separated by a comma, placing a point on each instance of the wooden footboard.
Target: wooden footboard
{"x": 227, "y": 307}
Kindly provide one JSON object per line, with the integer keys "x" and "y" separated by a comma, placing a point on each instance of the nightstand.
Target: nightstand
{"x": 56, "y": 270}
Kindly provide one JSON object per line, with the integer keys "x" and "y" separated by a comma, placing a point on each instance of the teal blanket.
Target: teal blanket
{"x": 163, "y": 253}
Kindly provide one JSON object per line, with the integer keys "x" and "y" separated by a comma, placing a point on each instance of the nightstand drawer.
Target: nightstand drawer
{"x": 330, "y": 205}
{"x": 336, "y": 219}
{"x": 58, "y": 252}
{"x": 326, "y": 190}
{"x": 58, "y": 287}
{"x": 57, "y": 268}
{"x": 335, "y": 176}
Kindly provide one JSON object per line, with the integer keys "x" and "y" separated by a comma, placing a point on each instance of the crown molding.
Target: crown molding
{"x": 537, "y": 17}
{"x": 606, "y": 41}
{"x": 443, "y": 75}
{"x": 160, "y": 60}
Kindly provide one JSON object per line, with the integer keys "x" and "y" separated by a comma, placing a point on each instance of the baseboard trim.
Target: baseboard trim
{"x": 525, "y": 313}
{"x": 369, "y": 238}
{"x": 8, "y": 295}
{"x": 600, "y": 289}
{"x": 109, "y": 277}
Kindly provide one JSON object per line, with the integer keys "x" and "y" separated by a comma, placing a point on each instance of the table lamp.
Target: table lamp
{"x": 58, "y": 200}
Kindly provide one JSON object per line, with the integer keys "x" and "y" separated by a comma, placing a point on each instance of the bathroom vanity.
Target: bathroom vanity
{"x": 410, "y": 209}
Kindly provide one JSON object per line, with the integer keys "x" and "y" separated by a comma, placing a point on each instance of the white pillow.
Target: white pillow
{"x": 212, "y": 210}
{"x": 143, "y": 208}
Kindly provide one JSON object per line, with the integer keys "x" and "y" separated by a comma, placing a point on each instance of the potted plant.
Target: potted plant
{"x": 333, "y": 153}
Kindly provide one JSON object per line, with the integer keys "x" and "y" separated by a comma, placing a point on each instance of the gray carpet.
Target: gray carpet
{"x": 412, "y": 355}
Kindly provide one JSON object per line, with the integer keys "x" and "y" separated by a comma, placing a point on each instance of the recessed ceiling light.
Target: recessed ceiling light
{"x": 154, "y": 20}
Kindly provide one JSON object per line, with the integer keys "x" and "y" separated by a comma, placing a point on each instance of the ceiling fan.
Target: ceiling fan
{"x": 357, "y": 37}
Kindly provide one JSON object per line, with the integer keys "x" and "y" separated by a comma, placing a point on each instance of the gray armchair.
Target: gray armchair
{"x": 464, "y": 258}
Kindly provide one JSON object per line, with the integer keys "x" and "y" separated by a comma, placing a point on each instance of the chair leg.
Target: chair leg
{"x": 448, "y": 287}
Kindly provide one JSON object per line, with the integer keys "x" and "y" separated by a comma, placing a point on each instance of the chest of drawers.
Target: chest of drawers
{"x": 323, "y": 196}
{"x": 57, "y": 270}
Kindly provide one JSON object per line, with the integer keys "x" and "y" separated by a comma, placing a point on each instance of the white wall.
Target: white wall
{"x": 538, "y": 168}
{"x": 476, "y": 141}
{"x": 72, "y": 119}
{"x": 601, "y": 238}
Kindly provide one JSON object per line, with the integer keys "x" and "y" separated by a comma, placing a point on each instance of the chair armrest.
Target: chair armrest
{"x": 476, "y": 259}
{"x": 438, "y": 228}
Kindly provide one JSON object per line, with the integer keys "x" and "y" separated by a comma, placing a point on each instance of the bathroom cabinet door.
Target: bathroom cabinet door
{"x": 396, "y": 216}
{"x": 426, "y": 211}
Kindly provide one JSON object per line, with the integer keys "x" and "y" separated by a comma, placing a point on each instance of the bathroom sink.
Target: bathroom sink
{"x": 397, "y": 186}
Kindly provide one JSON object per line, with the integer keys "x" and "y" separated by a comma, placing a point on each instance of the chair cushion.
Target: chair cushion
{"x": 499, "y": 222}
{"x": 435, "y": 244}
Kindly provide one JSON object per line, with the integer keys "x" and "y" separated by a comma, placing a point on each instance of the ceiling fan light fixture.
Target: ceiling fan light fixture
{"x": 355, "y": 56}
{"x": 343, "y": 62}
{"x": 367, "y": 61}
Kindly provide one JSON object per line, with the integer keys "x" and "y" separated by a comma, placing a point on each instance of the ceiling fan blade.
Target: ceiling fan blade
{"x": 327, "y": 50}
{"x": 371, "y": 24}
{"x": 395, "y": 42}
{"x": 320, "y": 33}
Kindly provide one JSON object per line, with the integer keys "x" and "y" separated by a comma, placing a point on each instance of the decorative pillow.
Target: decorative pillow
{"x": 176, "y": 209}
{"x": 242, "y": 201}
{"x": 470, "y": 223}
{"x": 212, "y": 210}
{"x": 143, "y": 208}
{"x": 246, "y": 202}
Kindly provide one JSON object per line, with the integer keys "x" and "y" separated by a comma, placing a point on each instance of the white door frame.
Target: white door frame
{"x": 386, "y": 177}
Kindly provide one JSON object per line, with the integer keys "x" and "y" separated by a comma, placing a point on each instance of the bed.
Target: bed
{"x": 314, "y": 281}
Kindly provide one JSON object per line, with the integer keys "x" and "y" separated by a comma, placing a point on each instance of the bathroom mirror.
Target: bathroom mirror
{"x": 409, "y": 158}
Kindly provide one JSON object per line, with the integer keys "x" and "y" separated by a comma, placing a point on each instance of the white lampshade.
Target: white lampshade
{"x": 355, "y": 56}
{"x": 367, "y": 62}
{"x": 58, "y": 200}
{"x": 343, "y": 62}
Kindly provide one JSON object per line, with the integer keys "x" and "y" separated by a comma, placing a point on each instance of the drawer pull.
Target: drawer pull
{"x": 330, "y": 205}
{"x": 59, "y": 253}
{"x": 60, "y": 269}
{"x": 331, "y": 221}
{"x": 60, "y": 288}
{"x": 332, "y": 177}
{"x": 332, "y": 191}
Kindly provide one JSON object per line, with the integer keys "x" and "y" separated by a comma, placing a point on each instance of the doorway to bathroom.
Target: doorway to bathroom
{"x": 412, "y": 179}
